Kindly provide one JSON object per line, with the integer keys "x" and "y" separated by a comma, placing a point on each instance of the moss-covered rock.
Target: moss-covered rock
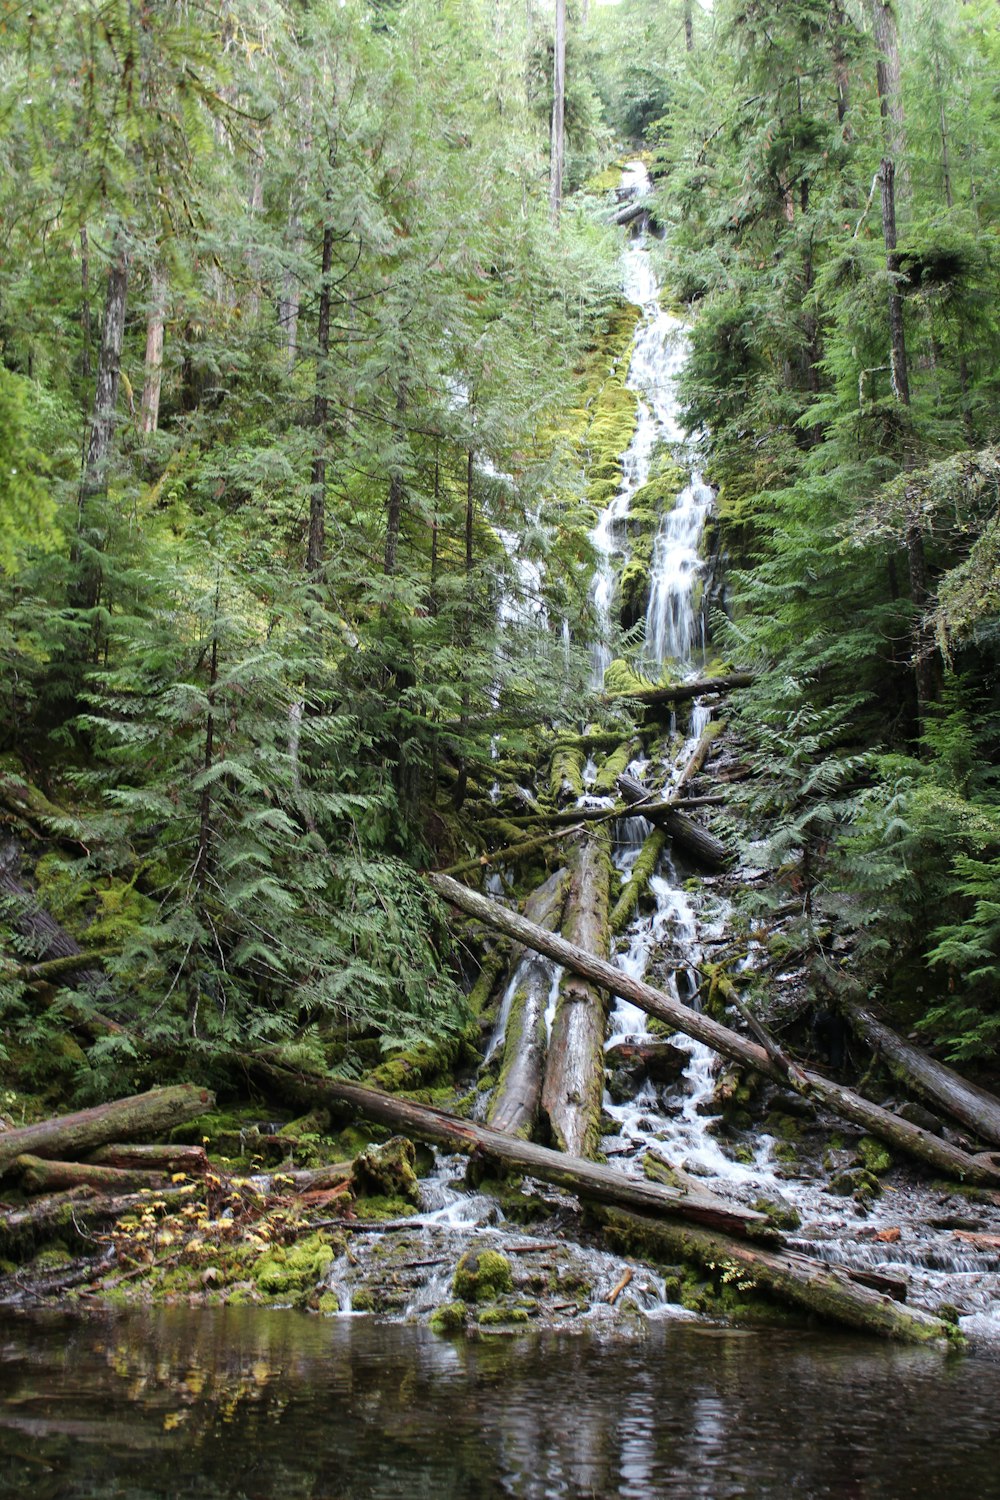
{"x": 288, "y": 1273}
{"x": 482, "y": 1276}
{"x": 634, "y": 584}
{"x": 873, "y": 1155}
{"x": 491, "y": 1317}
{"x": 449, "y": 1319}
{"x": 621, "y": 679}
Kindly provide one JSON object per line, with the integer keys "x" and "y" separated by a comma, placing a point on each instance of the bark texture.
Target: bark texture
{"x": 80, "y": 1133}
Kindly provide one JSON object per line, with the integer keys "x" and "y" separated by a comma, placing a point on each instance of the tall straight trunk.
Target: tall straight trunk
{"x": 109, "y": 364}
{"x": 688, "y": 26}
{"x": 397, "y": 491}
{"x": 321, "y": 411}
{"x": 155, "y": 319}
{"x": 85, "y": 301}
{"x": 888, "y": 81}
{"x": 288, "y": 304}
{"x": 897, "y": 334}
{"x": 841, "y": 67}
{"x": 256, "y": 209}
{"x": 462, "y": 781}
{"x": 558, "y": 138}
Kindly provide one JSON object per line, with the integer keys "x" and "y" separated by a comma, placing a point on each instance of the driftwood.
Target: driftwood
{"x": 78, "y": 1134}
{"x": 573, "y": 1087}
{"x": 514, "y": 1107}
{"x": 828, "y": 1291}
{"x": 976, "y": 1108}
{"x": 898, "y": 1133}
{"x": 586, "y": 1179}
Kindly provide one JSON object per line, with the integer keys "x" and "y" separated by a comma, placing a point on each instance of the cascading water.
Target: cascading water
{"x": 937, "y": 1267}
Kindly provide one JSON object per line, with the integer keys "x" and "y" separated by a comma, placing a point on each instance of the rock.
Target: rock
{"x": 917, "y": 1115}
{"x": 482, "y": 1276}
{"x": 793, "y": 1104}
{"x": 856, "y": 1182}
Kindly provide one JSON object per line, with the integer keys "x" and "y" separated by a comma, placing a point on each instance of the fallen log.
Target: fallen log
{"x": 828, "y": 1291}
{"x": 514, "y": 1107}
{"x": 586, "y": 1179}
{"x": 964, "y": 1101}
{"x": 697, "y": 841}
{"x": 888, "y": 1127}
{"x": 50, "y": 941}
{"x": 70, "y": 1216}
{"x": 78, "y": 1134}
{"x": 660, "y": 1061}
{"x": 39, "y": 1175}
{"x": 680, "y": 692}
{"x": 189, "y": 1159}
{"x": 573, "y": 1087}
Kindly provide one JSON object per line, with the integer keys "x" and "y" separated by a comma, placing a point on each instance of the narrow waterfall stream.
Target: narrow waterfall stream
{"x": 913, "y": 1230}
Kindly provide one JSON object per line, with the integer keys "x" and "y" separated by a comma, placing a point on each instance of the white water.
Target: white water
{"x": 939, "y": 1267}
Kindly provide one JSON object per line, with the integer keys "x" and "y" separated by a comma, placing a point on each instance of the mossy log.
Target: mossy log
{"x": 573, "y": 1087}
{"x": 171, "y": 1158}
{"x": 964, "y": 1101}
{"x": 41, "y": 1176}
{"x": 586, "y": 1179}
{"x": 905, "y": 1137}
{"x": 830, "y": 1292}
{"x": 566, "y": 774}
{"x": 70, "y": 1216}
{"x": 640, "y": 875}
{"x": 76, "y": 1135}
{"x": 514, "y": 1107}
{"x": 681, "y": 692}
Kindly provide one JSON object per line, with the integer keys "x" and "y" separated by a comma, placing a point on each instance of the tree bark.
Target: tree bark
{"x": 829, "y": 1291}
{"x": 973, "y": 1106}
{"x": 514, "y": 1107}
{"x": 53, "y": 944}
{"x": 586, "y": 1179}
{"x": 898, "y": 1133}
{"x": 316, "y": 545}
{"x": 682, "y": 692}
{"x": 558, "y": 138}
{"x": 189, "y": 1159}
{"x": 155, "y": 319}
{"x": 103, "y": 419}
{"x": 889, "y": 85}
{"x": 80, "y": 1133}
{"x": 574, "y": 1070}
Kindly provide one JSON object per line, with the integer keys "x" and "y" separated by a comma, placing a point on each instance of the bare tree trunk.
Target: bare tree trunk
{"x": 85, "y": 300}
{"x": 688, "y": 26}
{"x": 558, "y": 136}
{"x": 150, "y": 411}
{"x": 889, "y": 84}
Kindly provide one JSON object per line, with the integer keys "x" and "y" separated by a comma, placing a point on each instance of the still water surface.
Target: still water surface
{"x": 262, "y": 1404}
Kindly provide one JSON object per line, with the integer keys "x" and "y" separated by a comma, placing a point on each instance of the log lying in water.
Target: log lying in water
{"x": 896, "y": 1132}
{"x": 514, "y": 1107}
{"x": 573, "y": 1087}
{"x": 78, "y": 1134}
{"x": 976, "y": 1108}
{"x": 828, "y": 1291}
{"x": 586, "y": 1179}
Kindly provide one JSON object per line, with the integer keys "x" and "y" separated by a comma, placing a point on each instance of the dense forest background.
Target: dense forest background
{"x": 303, "y": 401}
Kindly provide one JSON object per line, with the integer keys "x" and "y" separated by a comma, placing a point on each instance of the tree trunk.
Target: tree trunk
{"x": 898, "y": 1133}
{"x": 574, "y": 1070}
{"x": 688, "y": 25}
{"x": 829, "y": 1291}
{"x": 897, "y": 334}
{"x": 558, "y": 137}
{"x": 78, "y": 1134}
{"x": 316, "y": 545}
{"x": 85, "y": 328}
{"x": 71, "y": 1215}
{"x": 514, "y": 1107}
{"x": 889, "y": 85}
{"x": 976, "y": 1108}
{"x": 150, "y": 410}
{"x": 102, "y": 421}
{"x": 586, "y": 1179}
{"x": 53, "y": 945}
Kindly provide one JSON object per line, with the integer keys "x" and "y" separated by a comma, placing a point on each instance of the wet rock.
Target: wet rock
{"x": 917, "y": 1115}
{"x": 388, "y": 1171}
{"x": 873, "y": 1155}
{"x": 788, "y": 1103}
{"x": 449, "y": 1319}
{"x": 856, "y": 1182}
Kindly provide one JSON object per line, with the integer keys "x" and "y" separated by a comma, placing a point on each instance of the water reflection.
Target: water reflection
{"x": 245, "y": 1403}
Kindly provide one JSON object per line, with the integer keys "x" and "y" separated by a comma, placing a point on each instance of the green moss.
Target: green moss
{"x": 290, "y": 1273}
{"x": 388, "y": 1171}
{"x": 363, "y": 1300}
{"x": 613, "y": 765}
{"x": 51, "y": 1259}
{"x": 874, "y": 1156}
{"x": 781, "y": 1215}
{"x": 492, "y": 1316}
{"x": 450, "y": 1318}
{"x": 784, "y": 1151}
{"x": 566, "y": 773}
{"x": 481, "y": 1276}
{"x": 621, "y": 679}
{"x": 634, "y": 585}
{"x": 380, "y": 1206}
